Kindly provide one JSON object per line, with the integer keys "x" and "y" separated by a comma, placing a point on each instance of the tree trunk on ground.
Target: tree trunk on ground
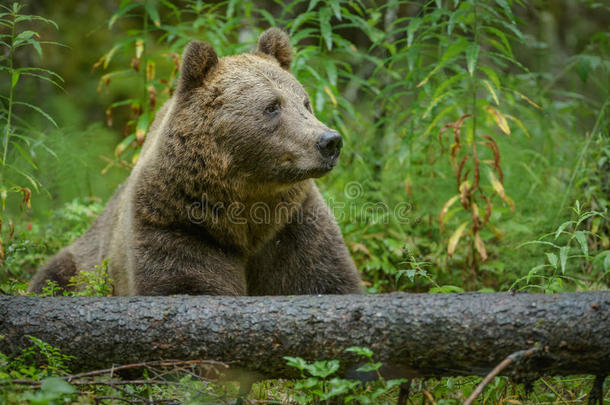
{"x": 416, "y": 334}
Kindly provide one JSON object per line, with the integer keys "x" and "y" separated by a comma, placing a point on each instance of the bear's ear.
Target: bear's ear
{"x": 197, "y": 61}
{"x": 276, "y": 43}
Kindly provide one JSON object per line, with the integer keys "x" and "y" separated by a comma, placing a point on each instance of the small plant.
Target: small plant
{"x": 35, "y": 362}
{"x": 38, "y": 362}
{"x": 95, "y": 283}
{"x": 470, "y": 190}
{"x": 34, "y": 242}
{"x": 316, "y": 387}
{"x": 92, "y": 283}
{"x": 417, "y": 269}
{"x": 142, "y": 71}
{"x": 567, "y": 256}
{"x": 474, "y": 49}
{"x": 18, "y": 134}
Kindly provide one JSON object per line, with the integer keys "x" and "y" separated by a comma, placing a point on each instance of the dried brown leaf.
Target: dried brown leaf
{"x": 445, "y": 209}
{"x": 455, "y": 238}
{"x": 480, "y": 246}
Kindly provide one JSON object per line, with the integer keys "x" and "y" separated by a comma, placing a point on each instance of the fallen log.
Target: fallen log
{"x": 418, "y": 334}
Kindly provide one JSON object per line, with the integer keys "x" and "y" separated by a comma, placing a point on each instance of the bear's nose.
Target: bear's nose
{"x": 330, "y": 144}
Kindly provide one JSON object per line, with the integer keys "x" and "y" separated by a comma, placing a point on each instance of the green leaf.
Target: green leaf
{"x": 24, "y": 155}
{"x": 363, "y": 351}
{"x": 323, "y": 368}
{"x": 502, "y": 48}
{"x": 37, "y": 109}
{"x": 37, "y": 47}
{"x": 41, "y": 77}
{"x": 454, "y": 49}
{"x": 30, "y": 178}
{"x": 331, "y": 70}
{"x": 451, "y": 52}
{"x": 142, "y": 127}
{"x": 41, "y": 70}
{"x": 493, "y": 76}
{"x": 325, "y": 28}
{"x": 56, "y": 385}
{"x": 506, "y": 8}
{"x": 563, "y": 257}
{"x": 411, "y": 28}
{"x": 582, "y": 241}
{"x": 121, "y": 12}
{"x": 369, "y": 367}
{"x": 25, "y": 35}
{"x": 336, "y": 7}
{"x": 312, "y": 4}
{"x": 267, "y": 16}
{"x": 300, "y": 20}
{"x": 295, "y": 362}
{"x": 23, "y": 17}
{"x": 230, "y": 8}
{"x": 533, "y": 272}
{"x": 552, "y": 257}
{"x": 458, "y": 16}
{"x": 446, "y": 289}
{"x": 151, "y": 9}
{"x": 472, "y": 53}
{"x": 15, "y": 78}
{"x": 562, "y": 227}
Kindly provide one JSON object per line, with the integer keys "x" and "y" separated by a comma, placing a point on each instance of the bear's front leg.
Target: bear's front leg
{"x": 308, "y": 256}
{"x": 182, "y": 262}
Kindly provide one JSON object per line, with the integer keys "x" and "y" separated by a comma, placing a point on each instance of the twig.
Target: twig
{"x": 162, "y": 363}
{"x": 497, "y": 370}
{"x": 84, "y": 379}
{"x": 37, "y": 384}
{"x": 113, "y": 398}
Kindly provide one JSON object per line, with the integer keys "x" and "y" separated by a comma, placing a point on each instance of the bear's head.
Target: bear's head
{"x": 248, "y": 115}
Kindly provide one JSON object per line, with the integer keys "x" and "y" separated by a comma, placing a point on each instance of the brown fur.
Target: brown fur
{"x": 221, "y": 201}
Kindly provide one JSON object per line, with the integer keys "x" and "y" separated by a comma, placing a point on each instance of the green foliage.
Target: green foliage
{"x": 90, "y": 283}
{"x": 569, "y": 260}
{"x": 19, "y": 136}
{"x": 39, "y": 362}
{"x": 33, "y": 242}
{"x": 94, "y": 283}
{"x": 316, "y": 386}
{"x": 52, "y": 390}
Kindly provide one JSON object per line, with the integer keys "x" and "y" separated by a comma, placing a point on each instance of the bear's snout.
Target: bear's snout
{"x": 330, "y": 144}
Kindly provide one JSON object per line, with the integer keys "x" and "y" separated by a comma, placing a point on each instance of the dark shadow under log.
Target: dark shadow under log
{"x": 417, "y": 334}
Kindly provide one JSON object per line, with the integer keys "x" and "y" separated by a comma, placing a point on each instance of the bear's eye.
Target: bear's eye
{"x": 307, "y": 105}
{"x": 272, "y": 108}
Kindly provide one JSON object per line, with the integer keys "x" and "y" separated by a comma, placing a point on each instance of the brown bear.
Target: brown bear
{"x": 222, "y": 200}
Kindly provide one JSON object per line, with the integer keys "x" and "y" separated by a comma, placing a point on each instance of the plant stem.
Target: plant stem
{"x": 475, "y": 162}
{"x": 145, "y": 60}
{"x": 10, "y": 96}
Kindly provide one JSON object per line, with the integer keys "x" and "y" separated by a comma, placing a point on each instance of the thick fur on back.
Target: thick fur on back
{"x": 221, "y": 200}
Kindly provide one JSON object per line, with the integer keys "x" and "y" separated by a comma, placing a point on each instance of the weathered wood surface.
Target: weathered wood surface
{"x": 419, "y": 334}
